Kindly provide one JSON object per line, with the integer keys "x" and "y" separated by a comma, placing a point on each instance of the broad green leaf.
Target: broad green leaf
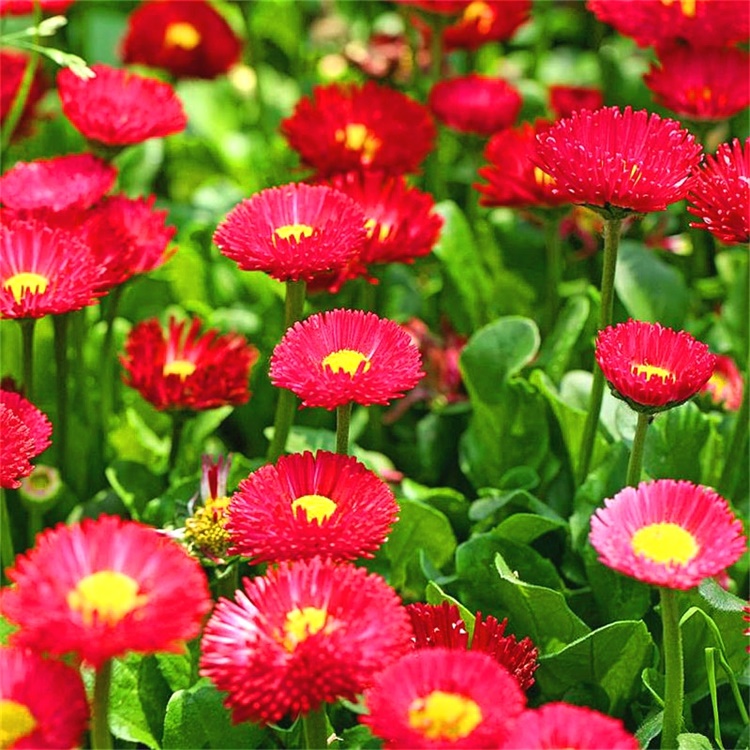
{"x": 359, "y": 737}
{"x": 525, "y": 528}
{"x": 435, "y": 595}
{"x": 557, "y": 348}
{"x": 447, "y": 500}
{"x": 179, "y": 670}
{"x": 693, "y": 741}
{"x": 720, "y": 598}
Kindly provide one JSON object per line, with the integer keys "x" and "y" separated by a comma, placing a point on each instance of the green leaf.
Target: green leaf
{"x": 692, "y": 741}
{"x": 719, "y": 598}
{"x": 359, "y": 738}
{"x": 525, "y": 528}
{"x": 435, "y": 595}
{"x": 178, "y": 669}
{"x": 134, "y": 484}
{"x": 558, "y": 347}
{"x": 447, "y": 500}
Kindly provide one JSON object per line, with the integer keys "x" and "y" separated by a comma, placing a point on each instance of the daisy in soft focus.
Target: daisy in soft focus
{"x": 441, "y": 625}
{"x": 305, "y": 634}
{"x": 119, "y": 108}
{"x": 189, "y": 38}
{"x": 564, "y": 100}
{"x": 13, "y": 65}
{"x": 720, "y": 193}
{"x": 24, "y": 434}
{"x": 651, "y": 367}
{"x": 26, "y": 7}
{"x": 42, "y": 702}
{"x": 725, "y": 387}
{"x": 475, "y": 104}
{"x": 307, "y": 505}
{"x": 440, "y": 698}
{"x": 558, "y": 725}
{"x": 180, "y": 368}
{"x": 343, "y": 356}
{"x": 103, "y": 588}
{"x": 294, "y": 232}
{"x": 668, "y": 533}
{"x": 488, "y": 21}
{"x": 618, "y": 162}
{"x": 342, "y": 127}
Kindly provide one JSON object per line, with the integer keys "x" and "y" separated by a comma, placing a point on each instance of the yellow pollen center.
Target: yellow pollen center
{"x": 16, "y": 722}
{"x": 347, "y": 360}
{"x": 295, "y": 231}
{"x": 689, "y": 8}
{"x": 24, "y": 283}
{"x": 317, "y": 507}
{"x": 444, "y": 716}
{"x": 651, "y": 371}
{"x": 181, "y": 367}
{"x": 665, "y": 543}
{"x": 302, "y": 623}
{"x": 542, "y": 178}
{"x": 482, "y": 14}
{"x": 183, "y": 35}
{"x": 357, "y": 137}
{"x": 106, "y": 596}
{"x": 383, "y": 229}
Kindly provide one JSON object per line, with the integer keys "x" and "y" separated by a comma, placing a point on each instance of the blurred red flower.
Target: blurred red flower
{"x": 26, "y": 7}
{"x": 13, "y": 65}
{"x": 564, "y": 100}
{"x": 488, "y": 21}
{"x": 725, "y": 387}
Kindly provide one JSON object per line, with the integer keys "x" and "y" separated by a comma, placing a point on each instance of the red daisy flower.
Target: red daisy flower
{"x": 668, "y": 533}
{"x": 293, "y": 232}
{"x": 557, "y": 725}
{"x": 13, "y": 65}
{"x": 651, "y": 367}
{"x": 43, "y": 702}
{"x": 306, "y": 633}
{"x": 613, "y": 160}
{"x": 441, "y": 626}
{"x": 72, "y": 181}
{"x": 564, "y": 100}
{"x": 308, "y": 505}
{"x": 697, "y": 23}
{"x": 180, "y": 369}
{"x": 344, "y": 127}
{"x": 44, "y": 270}
{"x": 489, "y": 21}
{"x": 725, "y": 387}
{"x": 438, "y": 698}
{"x": 343, "y": 356}
{"x": 103, "y": 588}
{"x": 711, "y": 85}
{"x": 189, "y": 38}
{"x": 746, "y": 618}
{"x": 720, "y": 194}
{"x": 475, "y": 104}
{"x": 119, "y": 108}
{"x": 513, "y": 178}
{"x": 26, "y": 7}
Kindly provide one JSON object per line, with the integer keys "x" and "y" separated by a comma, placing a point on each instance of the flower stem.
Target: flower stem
{"x": 316, "y": 729}
{"x": 179, "y": 419}
{"x": 22, "y": 95}
{"x": 7, "y": 555}
{"x": 635, "y": 465}
{"x": 108, "y": 357}
{"x": 343, "y": 419}
{"x": 27, "y": 346}
{"x": 60, "y": 323}
{"x": 101, "y": 739}
{"x": 229, "y": 581}
{"x": 553, "y": 247}
{"x": 611, "y": 243}
{"x": 673, "y": 669}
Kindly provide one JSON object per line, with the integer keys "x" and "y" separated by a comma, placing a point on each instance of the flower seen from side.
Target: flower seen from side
{"x": 488, "y": 21}
{"x": 725, "y": 387}
{"x": 103, "y": 588}
{"x": 13, "y": 65}
{"x": 564, "y": 100}
{"x": 667, "y": 533}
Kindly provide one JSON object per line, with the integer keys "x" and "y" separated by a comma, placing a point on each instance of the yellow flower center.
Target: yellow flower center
{"x": 688, "y": 7}
{"x": 651, "y": 371}
{"x": 24, "y": 283}
{"x": 106, "y": 596}
{"x": 482, "y": 14}
{"x": 16, "y": 722}
{"x": 181, "y": 367}
{"x": 207, "y": 527}
{"x": 183, "y": 35}
{"x": 383, "y": 231}
{"x": 295, "y": 231}
{"x": 695, "y": 94}
{"x": 347, "y": 360}
{"x": 357, "y": 137}
{"x": 317, "y": 507}
{"x": 444, "y": 716}
{"x": 542, "y": 178}
{"x": 665, "y": 543}
{"x": 302, "y": 623}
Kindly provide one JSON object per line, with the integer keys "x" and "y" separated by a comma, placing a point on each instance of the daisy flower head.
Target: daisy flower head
{"x": 42, "y": 702}
{"x": 439, "y": 698}
{"x": 306, "y": 633}
{"x": 103, "y": 588}
{"x": 486, "y": 21}
{"x": 180, "y": 368}
{"x": 294, "y": 232}
{"x": 343, "y": 127}
{"x": 651, "y": 367}
{"x": 342, "y": 356}
{"x": 13, "y": 65}
{"x": 725, "y": 386}
{"x": 119, "y": 108}
{"x": 307, "y": 505}
{"x": 667, "y": 533}
{"x": 564, "y": 100}
{"x": 618, "y": 161}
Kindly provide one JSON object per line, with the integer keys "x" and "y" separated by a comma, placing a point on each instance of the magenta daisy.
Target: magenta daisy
{"x": 725, "y": 387}
{"x": 343, "y": 356}
{"x": 668, "y": 533}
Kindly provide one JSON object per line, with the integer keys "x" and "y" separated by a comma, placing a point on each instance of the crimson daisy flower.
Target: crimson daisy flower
{"x": 489, "y": 21}
{"x": 344, "y": 127}
{"x": 189, "y": 38}
{"x": 72, "y": 181}
{"x": 668, "y": 533}
{"x": 441, "y": 625}
{"x": 651, "y": 367}
{"x": 26, "y": 7}
{"x": 13, "y": 65}
{"x": 557, "y": 725}
{"x": 720, "y": 197}
{"x": 103, "y": 588}
{"x": 343, "y": 356}
{"x": 438, "y": 698}
{"x": 44, "y": 270}
{"x": 306, "y": 633}
{"x": 181, "y": 369}
{"x": 293, "y": 232}
{"x": 43, "y": 702}
{"x": 564, "y": 100}
{"x": 618, "y": 162}
{"x": 119, "y": 108}
{"x": 475, "y": 104}
{"x": 308, "y": 505}
{"x": 725, "y": 386}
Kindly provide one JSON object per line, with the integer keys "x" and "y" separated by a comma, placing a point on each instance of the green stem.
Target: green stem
{"x": 553, "y": 245}
{"x": 316, "y": 729}
{"x": 108, "y": 356}
{"x": 635, "y": 465}
{"x": 101, "y": 739}
{"x": 20, "y": 99}
{"x": 179, "y": 418}
{"x": 60, "y": 323}
{"x": 27, "y": 347}
{"x": 611, "y": 243}
{"x": 343, "y": 420}
{"x": 673, "y": 669}
{"x": 7, "y": 555}
{"x": 36, "y": 523}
